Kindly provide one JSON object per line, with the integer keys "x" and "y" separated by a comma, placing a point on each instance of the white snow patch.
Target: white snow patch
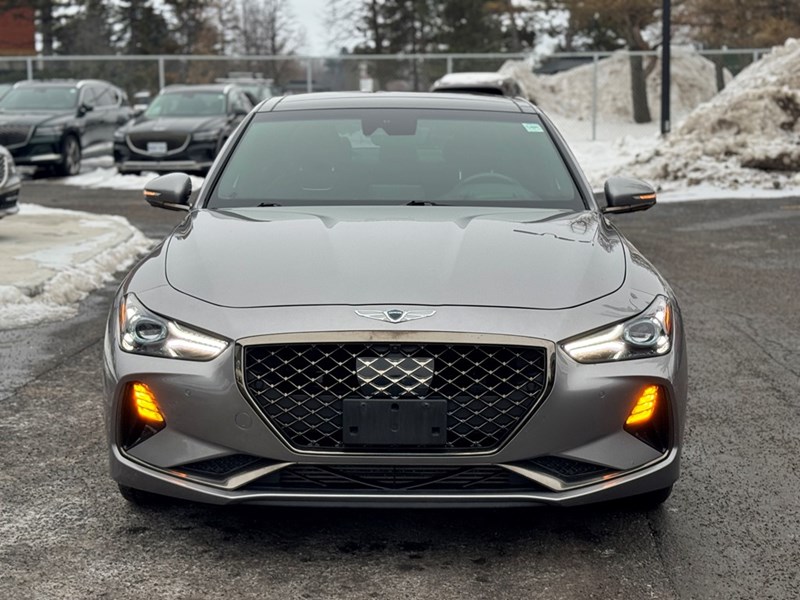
{"x": 747, "y": 136}
{"x": 569, "y": 93}
{"x": 110, "y": 178}
{"x": 69, "y": 271}
{"x": 741, "y": 143}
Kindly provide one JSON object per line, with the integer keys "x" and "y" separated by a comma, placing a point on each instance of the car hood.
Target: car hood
{"x": 176, "y": 124}
{"x": 34, "y": 118}
{"x": 417, "y": 255}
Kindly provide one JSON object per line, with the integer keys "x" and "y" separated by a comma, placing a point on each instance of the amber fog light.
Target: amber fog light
{"x": 142, "y": 417}
{"x": 649, "y": 418}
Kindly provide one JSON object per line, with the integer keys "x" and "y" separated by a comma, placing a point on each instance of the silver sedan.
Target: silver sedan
{"x": 395, "y": 299}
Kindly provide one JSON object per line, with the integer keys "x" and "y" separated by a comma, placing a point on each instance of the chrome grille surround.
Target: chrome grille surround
{"x": 176, "y": 142}
{"x": 14, "y": 136}
{"x": 4, "y": 169}
{"x": 478, "y": 423}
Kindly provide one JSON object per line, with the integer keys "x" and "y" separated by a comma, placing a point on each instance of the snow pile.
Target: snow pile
{"x": 111, "y": 178}
{"x": 63, "y": 256}
{"x": 570, "y": 92}
{"x": 748, "y": 135}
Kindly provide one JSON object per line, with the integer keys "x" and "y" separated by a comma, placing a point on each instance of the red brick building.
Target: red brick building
{"x": 17, "y": 28}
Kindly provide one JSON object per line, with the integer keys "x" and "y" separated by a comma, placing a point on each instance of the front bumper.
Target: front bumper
{"x": 39, "y": 151}
{"x": 9, "y": 195}
{"x": 197, "y": 156}
{"x": 580, "y": 419}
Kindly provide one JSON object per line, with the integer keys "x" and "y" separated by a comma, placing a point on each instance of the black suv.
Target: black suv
{"x": 55, "y": 123}
{"x": 183, "y": 129}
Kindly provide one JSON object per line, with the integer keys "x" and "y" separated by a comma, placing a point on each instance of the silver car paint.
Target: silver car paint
{"x": 581, "y": 416}
{"x": 350, "y": 255}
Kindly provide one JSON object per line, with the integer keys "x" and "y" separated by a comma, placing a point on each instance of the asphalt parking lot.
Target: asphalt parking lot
{"x": 730, "y": 530}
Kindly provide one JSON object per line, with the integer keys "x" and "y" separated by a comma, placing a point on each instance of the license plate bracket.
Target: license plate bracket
{"x": 386, "y": 422}
{"x": 157, "y": 147}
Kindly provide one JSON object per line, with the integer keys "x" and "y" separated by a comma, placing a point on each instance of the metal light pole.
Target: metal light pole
{"x": 665, "y": 69}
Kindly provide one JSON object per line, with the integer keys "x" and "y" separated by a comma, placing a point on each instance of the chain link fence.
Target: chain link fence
{"x": 299, "y": 74}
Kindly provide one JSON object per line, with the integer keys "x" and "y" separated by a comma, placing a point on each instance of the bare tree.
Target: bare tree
{"x": 268, "y": 27}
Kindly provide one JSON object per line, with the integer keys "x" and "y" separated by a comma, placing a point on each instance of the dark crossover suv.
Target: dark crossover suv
{"x": 183, "y": 129}
{"x": 56, "y": 123}
{"x": 9, "y": 184}
{"x": 408, "y": 299}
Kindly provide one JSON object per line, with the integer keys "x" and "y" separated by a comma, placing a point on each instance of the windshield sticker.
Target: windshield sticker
{"x": 533, "y": 128}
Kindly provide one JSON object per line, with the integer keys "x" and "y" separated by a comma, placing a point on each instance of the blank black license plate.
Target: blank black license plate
{"x": 378, "y": 422}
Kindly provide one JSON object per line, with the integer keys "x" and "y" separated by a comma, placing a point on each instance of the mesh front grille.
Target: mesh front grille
{"x": 174, "y": 140}
{"x": 14, "y": 135}
{"x": 566, "y": 468}
{"x": 393, "y": 478}
{"x": 220, "y": 467}
{"x": 489, "y": 389}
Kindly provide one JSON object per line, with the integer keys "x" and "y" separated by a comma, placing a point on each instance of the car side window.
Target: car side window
{"x": 89, "y": 96}
{"x": 248, "y": 105}
{"x": 235, "y": 103}
{"x": 104, "y": 97}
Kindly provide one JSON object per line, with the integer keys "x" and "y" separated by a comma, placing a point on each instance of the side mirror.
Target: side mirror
{"x": 624, "y": 194}
{"x": 169, "y": 191}
{"x": 85, "y": 108}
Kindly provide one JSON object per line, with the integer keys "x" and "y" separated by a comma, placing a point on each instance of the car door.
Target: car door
{"x": 109, "y": 116}
{"x": 91, "y": 118}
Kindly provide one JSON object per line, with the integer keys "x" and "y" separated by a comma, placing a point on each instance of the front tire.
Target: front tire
{"x": 70, "y": 157}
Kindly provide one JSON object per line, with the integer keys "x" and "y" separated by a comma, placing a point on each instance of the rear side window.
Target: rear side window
{"x": 383, "y": 156}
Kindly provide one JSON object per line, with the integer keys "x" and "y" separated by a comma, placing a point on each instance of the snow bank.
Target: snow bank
{"x": 111, "y": 178}
{"x": 57, "y": 257}
{"x": 748, "y": 135}
{"x": 570, "y": 92}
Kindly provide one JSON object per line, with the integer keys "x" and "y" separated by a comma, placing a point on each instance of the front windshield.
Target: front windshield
{"x": 187, "y": 104}
{"x": 396, "y": 156}
{"x": 40, "y": 98}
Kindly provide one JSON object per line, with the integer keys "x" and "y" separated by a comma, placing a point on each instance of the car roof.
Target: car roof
{"x": 198, "y": 87}
{"x": 60, "y": 82}
{"x": 419, "y": 100}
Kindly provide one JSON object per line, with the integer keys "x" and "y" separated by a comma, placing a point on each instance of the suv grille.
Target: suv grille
{"x": 14, "y": 135}
{"x": 489, "y": 389}
{"x": 4, "y": 170}
{"x": 175, "y": 140}
{"x": 393, "y": 478}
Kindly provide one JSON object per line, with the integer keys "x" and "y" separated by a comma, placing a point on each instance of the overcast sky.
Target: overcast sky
{"x": 311, "y": 15}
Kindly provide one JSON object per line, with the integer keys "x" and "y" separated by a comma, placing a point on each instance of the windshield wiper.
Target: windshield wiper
{"x": 424, "y": 203}
{"x": 264, "y": 204}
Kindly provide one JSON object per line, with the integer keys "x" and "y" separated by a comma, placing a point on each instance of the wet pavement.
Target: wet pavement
{"x": 730, "y": 530}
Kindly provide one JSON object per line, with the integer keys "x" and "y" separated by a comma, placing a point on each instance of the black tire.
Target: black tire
{"x": 70, "y": 157}
{"x": 140, "y": 497}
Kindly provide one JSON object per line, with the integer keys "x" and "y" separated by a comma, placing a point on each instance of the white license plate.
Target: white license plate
{"x": 157, "y": 147}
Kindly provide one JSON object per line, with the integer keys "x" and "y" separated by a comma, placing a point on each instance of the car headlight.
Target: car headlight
{"x": 647, "y": 334}
{"x": 119, "y": 135}
{"x": 206, "y": 136}
{"x": 50, "y": 130}
{"x": 144, "y": 332}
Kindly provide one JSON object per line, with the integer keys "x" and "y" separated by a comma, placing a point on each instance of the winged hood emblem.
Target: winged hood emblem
{"x": 395, "y": 315}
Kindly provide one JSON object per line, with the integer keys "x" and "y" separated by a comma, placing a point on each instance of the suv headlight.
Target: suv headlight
{"x": 119, "y": 135}
{"x": 647, "y": 334}
{"x": 49, "y": 130}
{"x": 206, "y": 136}
{"x": 144, "y": 332}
